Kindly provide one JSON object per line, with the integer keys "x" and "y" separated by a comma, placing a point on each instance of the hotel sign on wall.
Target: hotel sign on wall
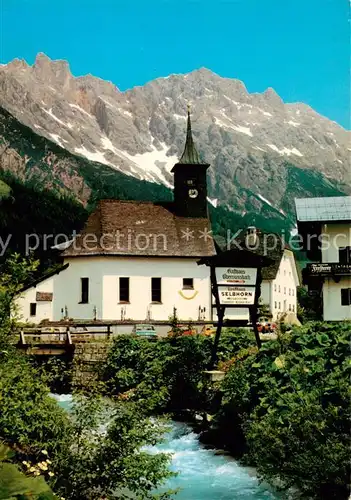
{"x": 329, "y": 269}
{"x": 236, "y": 276}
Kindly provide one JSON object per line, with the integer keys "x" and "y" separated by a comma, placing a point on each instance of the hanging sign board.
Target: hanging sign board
{"x": 236, "y": 295}
{"x": 236, "y": 275}
{"x": 44, "y": 297}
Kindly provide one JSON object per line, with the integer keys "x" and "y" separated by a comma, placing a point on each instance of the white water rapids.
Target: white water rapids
{"x": 202, "y": 474}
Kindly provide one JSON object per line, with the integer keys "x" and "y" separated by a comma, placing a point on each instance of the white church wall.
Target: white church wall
{"x": 171, "y": 271}
{"x": 44, "y": 309}
{"x": 104, "y": 274}
{"x": 67, "y": 289}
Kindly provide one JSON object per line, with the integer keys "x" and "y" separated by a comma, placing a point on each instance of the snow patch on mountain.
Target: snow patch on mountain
{"x": 125, "y": 112}
{"x": 264, "y": 199}
{"x": 92, "y": 155}
{"x": 56, "y": 138}
{"x": 214, "y": 201}
{"x": 75, "y": 106}
{"x": 54, "y": 117}
{"x": 243, "y": 130}
{"x": 285, "y": 151}
{"x": 231, "y": 100}
{"x": 294, "y": 124}
{"x": 237, "y": 128}
{"x": 153, "y": 162}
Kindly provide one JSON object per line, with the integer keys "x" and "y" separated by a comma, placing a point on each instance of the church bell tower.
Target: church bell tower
{"x": 190, "y": 183}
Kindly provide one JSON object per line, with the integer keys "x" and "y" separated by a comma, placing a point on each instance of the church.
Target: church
{"x": 135, "y": 260}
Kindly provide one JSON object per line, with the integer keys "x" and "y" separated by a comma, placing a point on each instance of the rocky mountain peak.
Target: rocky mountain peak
{"x": 272, "y": 97}
{"x": 57, "y": 72}
{"x": 16, "y": 65}
{"x": 42, "y": 59}
{"x": 252, "y": 140}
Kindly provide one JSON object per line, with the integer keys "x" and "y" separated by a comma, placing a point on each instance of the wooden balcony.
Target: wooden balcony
{"x": 328, "y": 270}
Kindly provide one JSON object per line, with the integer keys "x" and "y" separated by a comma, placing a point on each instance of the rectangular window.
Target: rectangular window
{"x": 293, "y": 307}
{"x": 289, "y": 307}
{"x": 285, "y": 290}
{"x": 279, "y": 306}
{"x": 84, "y": 290}
{"x": 275, "y": 305}
{"x": 346, "y": 296}
{"x": 279, "y": 288}
{"x": 345, "y": 255}
{"x": 124, "y": 289}
{"x": 156, "y": 290}
{"x": 275, "y": 287}
{"x": 188, "y": 284}
{"x": 33, "y": 309}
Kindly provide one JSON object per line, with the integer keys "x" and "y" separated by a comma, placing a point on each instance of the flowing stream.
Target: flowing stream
{"x": 202, "y": 474}
{"x": 205, "y": 475}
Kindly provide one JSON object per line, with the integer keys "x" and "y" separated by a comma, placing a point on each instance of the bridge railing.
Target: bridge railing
{"x": 69, "y": 336}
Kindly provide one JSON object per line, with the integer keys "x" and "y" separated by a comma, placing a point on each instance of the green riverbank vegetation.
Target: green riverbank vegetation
{"x": 95, "y": 451}
{"x": 284, "y": 409}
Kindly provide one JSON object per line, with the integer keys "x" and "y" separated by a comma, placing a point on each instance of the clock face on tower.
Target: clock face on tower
{"x": 193, "y": 193}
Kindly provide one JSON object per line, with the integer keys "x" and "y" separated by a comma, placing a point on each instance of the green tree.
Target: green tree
{"x": 288, "y": 406}
{"x": 96, "y": 450}
{"x": 309, "y": 307}
{"x": 161, "y": 376}
{"x": 109, "y": 458}
{"x": 14, "y": 273}
{"x": 88, "y": 461}
{"x": 29, "y": 417}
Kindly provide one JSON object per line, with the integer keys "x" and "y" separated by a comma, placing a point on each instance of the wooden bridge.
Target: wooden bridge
{"x": 58, "y": 341}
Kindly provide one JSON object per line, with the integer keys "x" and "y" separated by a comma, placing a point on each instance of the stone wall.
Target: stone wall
{"x": 87, "y": 361}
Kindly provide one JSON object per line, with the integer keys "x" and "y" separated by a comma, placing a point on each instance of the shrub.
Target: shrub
{"x": 288, "y": 407}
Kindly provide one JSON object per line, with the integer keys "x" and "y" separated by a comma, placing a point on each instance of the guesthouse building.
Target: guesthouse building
{"x": 324, "y": 225}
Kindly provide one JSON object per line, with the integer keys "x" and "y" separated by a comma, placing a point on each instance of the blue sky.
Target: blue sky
{"x": 298, "y": 47}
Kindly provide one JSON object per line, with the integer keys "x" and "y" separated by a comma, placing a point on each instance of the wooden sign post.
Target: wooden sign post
{"x": 236, "y": 279}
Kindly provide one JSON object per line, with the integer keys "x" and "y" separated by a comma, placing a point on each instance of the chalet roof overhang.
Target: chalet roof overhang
{"x": 236, "y": 257}
{"x": 44, "y": 277}
{"x": 134, "y": 256}
{"x": 326, "y": 210}
{"x": 268, "y": 245}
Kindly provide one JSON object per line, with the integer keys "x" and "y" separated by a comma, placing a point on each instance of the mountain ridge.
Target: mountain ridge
{"x": 251, "y": 140}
